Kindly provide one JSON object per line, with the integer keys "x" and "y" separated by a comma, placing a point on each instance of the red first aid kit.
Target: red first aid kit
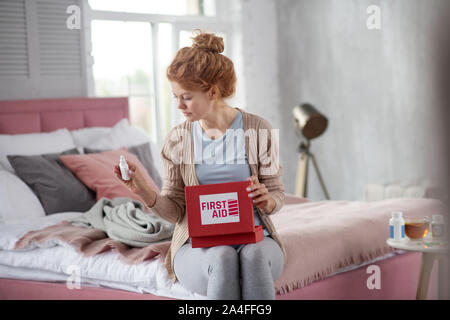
{"x": 221, "y": 214}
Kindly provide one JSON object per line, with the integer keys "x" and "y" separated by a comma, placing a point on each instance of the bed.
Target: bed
{"x": 330, "y": 244}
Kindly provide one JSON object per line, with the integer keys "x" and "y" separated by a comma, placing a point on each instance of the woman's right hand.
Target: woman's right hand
{"x": 137, "y": 183}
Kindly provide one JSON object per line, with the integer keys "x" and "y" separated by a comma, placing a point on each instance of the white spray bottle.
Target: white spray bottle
{"x": 123, "y": 165}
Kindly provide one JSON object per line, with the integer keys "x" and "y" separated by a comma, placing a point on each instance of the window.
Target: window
{"x": 134, "y": 41}
{"x": 123, "y": 66}
{"x": 168, "y": 7}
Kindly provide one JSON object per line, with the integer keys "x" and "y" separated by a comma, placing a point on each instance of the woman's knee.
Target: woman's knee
{"x": 223, "y": 257}
{"x": 252, "y": 252}
{"x": 262, "y": 255}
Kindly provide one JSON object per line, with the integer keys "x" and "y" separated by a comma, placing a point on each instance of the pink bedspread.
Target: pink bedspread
{"x": 322, "y": 237}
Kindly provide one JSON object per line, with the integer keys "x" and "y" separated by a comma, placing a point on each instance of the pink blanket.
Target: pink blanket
{"x": 91, "y": 241}
{"x": 322, "y": 237}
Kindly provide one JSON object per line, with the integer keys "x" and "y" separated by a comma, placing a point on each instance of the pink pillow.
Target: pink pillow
{"x": 96, "y": 171}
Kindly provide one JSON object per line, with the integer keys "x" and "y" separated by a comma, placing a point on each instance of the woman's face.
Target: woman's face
{"x": 194, "y": 104}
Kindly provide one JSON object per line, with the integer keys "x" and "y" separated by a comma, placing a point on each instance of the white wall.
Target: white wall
{"x": 260, "y": 59}
{"x": 380, "y": 89}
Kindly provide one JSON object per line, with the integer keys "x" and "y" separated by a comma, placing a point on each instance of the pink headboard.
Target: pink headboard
{"x": 44, "y": 115}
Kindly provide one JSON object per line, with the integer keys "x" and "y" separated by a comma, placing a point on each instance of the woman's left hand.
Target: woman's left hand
{"x": 260, "y": 195}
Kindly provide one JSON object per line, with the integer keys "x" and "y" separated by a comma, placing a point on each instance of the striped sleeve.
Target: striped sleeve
{"x": 270, "y": 170}
{"x": 170, "y": 203}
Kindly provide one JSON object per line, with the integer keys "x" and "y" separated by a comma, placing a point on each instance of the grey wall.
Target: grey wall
{"x": 260, "y": 63}
{"x": 379, "y": 88}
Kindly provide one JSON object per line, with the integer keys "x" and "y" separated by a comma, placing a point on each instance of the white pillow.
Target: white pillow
{"x": 33, "y": 144}
{"x": 17, "y": 201}
{"x": 88, "y": 136}
{"x": 122, "y": 134}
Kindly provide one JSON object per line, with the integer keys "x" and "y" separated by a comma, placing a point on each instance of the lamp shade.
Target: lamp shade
{"x": 309, "y": 121}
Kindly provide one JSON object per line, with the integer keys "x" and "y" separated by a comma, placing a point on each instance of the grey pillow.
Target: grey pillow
{"x": 143, "y": 153}
{"x": 55, "y": 185}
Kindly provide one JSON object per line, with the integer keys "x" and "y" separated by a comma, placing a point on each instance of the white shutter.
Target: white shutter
{"x": 13, "y": 39}
{"x": 59, "y": 46}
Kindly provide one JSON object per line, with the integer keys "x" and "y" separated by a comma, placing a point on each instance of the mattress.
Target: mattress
{"x": 57, "y": 262}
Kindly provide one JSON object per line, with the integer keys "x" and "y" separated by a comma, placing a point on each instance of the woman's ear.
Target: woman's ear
{"x": 213, "y": 93}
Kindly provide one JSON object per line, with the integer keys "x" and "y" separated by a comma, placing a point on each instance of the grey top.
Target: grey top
{"x": 223, "y": 159}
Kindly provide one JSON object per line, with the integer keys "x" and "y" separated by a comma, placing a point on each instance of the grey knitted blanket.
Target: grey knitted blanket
{"x": 124, "y": 219}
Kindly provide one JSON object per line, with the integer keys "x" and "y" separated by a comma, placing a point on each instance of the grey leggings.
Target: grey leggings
{"x": 223, "y": 272}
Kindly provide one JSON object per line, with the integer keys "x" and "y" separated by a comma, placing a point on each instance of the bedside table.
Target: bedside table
{"x": 431, "y": 250}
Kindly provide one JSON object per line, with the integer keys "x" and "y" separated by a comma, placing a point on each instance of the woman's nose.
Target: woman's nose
{"x": 181, "y": 105}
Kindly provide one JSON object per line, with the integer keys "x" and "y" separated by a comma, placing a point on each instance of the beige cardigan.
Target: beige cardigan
{"x": 178, "y": 159}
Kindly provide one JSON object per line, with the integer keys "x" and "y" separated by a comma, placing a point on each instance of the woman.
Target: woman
{"x": 201, "y": 78}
